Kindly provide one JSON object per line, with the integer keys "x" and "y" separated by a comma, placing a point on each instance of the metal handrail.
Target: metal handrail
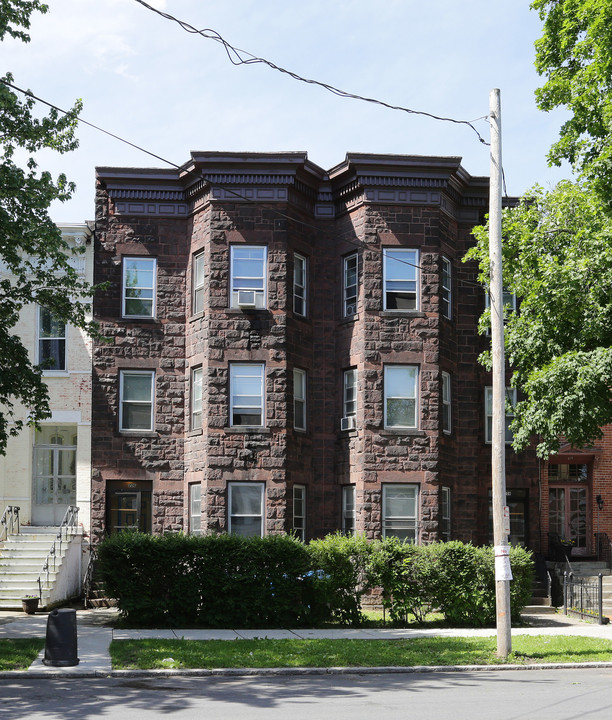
{"x": 69, "y": 521}
{"x": 10, "y": 516}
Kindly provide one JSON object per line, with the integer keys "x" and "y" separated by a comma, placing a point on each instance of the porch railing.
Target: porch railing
{"x": 9, "y": 521}
{"x": 603, "y": 545}
{"x": 70, "y": 521}
{"x": 583, "y": 597}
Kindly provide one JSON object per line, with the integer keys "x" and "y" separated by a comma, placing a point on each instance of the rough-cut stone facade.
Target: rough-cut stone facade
{"x": 289, "y": 205}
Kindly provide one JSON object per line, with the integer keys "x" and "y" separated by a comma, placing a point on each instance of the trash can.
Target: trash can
{"x": 61, "y": 640}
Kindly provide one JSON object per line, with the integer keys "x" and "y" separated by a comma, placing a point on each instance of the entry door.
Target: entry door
{"x": 54, "y": 483}
{"x": 128, "y": 506}
{"x": 568, "y": 515}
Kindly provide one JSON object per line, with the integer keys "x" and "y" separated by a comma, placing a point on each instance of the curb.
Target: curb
{"x": 298, "y": 671}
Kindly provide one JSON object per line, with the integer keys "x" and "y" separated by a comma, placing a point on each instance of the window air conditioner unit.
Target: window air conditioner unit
{"x": 246, "y": 298}
{"x": 348, "y": 423}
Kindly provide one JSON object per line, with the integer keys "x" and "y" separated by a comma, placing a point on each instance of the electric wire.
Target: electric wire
{"x": 243, "y": 57}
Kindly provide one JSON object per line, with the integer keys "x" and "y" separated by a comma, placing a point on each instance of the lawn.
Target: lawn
{"x": 266, "y": 653}
{"x": 20, "y": 653}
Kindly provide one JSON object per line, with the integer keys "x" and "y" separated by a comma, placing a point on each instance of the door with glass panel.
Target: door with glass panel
{"x": 568, "y": 516}
{"x": 54, "y": 486}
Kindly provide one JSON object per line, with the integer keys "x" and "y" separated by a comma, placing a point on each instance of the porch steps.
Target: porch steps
{"x": 591, "y": 569}
{"x": 22, "y": 557}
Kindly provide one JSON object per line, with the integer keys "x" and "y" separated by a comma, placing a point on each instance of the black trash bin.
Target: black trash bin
{"x": 61, "y": 641}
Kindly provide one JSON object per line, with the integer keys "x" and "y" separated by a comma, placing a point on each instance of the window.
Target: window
{"x": 139, "y": 278}
{"x": 446, "y": 293}
{"x": 445, "y": 515}
{"x": 245, "y": 508}
{"x": 197, "y": 284}
{"x": 446, "y": 402}
{"x": 348, "y": 509}
{"x": 400, "y": 278}
{"x": 299, "y": 399}
{"x": 248, "y": 276}
{"x": 136, "y": 399}
{"x": 246, "y": 394}
{"x": 195, "y": 508}
{"x": 350, "y": 285}
{"x": 510, "y": 403}
{"x": 400, "y": 517}
{"x": 299, "y": 511}
{"x": 349, "y": 393}
{"x": 51, "y": 341}
{"x": 509, "y": 300}
{"x": 299, "y": 285}
{"x": 401, "y": 396}
{"x": 196, "y": 398}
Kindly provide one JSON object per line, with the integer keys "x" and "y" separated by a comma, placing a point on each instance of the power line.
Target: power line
{"x": 69, "y": 113}
{"x": 243, "y": 57}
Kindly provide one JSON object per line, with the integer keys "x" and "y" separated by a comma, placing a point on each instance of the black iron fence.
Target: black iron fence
{"x": 583, "y": 597}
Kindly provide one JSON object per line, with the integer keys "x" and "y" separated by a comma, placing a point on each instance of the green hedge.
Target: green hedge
{"x": 175, "y": 580}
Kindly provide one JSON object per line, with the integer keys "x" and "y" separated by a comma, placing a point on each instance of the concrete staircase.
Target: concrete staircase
{"x": 22, "y": 557}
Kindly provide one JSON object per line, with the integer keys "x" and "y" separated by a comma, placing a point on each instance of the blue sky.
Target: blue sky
{"x": 145, "y": 79}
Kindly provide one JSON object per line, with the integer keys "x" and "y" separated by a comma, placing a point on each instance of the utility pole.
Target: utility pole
{"x": 498, "y": 437}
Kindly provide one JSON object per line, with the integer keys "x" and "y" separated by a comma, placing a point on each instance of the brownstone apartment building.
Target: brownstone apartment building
{"x": 294, "y": 349}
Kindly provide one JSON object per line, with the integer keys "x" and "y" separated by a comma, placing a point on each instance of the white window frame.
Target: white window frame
{"x": 350, "y": 292}
{"x": 42, "y": 338}
{"x": 446, "y": 288}
{"x": 248, "y": 290}
{"x": 445, "y": 514}
{"x": 257, "y": 372}
{"x": 197, "y": 387}
{"x": 509, "y": 416}
{"x": 195, "y": 508}
{"x": 123, "y": 375}
{"x": 256, "y": 487}
{"x": 349, "y": 392}
{"x": 397, "y": 524}
{"x": 349, "y": 494}
{"x": 300, "y": 280}
{"x": 147, "y": 289}
{"x": 389, "y": 372}
{"x": 403, "y": 262}
{"x": 508, "y": 300}
{"x": 197, "y": 283}
{"x": 447, "y": 395}
{"x": 299, "y": 399}
{"x": 299, "y": 511}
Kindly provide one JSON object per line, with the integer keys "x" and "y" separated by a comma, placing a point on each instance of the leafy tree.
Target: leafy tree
{"x": 34, "y": 259}
{"x": 575, "y": 55}
{"x": 557, "y": 257}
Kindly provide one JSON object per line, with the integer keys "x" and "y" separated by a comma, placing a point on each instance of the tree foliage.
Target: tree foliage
{"x": 557, "y": 257}
{"x": 35, "y": 262}
{"x": 575, "y": 55}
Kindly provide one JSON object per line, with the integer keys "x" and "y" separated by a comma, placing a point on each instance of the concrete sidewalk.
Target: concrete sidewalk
{"x": 95, "y": 630}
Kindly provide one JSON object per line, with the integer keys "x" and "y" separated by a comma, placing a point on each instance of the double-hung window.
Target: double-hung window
{"x": 400, "y": 279}
{"x": 246, "y": 394}
{"x": 300, "y": 267}
{"x": 446, "y": 403}
{"x": 401, "y": 384}
{"x": 509, "y": 417}
{"x": 446, "y": 292}
{"x": 139, "y": 283}
{"x": 299, "y": 511}
{"x": 445, "y": 515}
{"x": 51, "y": 341}
{"x": 299, "y": 399}
{"x": 400, "y": 512}
{"x": 197, "y": 284}
{"x": 248, "y": 276}
{"x": 246, "y": 508}
{"x": 195, "y": 508}
{"x": 196, "y": 398}
{"x": 348, "y": 509}
{"x": 350, "y": 285}
{"x": 136, "y": 394}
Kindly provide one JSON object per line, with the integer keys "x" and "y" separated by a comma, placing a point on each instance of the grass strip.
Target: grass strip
{"x": 266, "y": 653}
{"x": 20, "y": 653}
